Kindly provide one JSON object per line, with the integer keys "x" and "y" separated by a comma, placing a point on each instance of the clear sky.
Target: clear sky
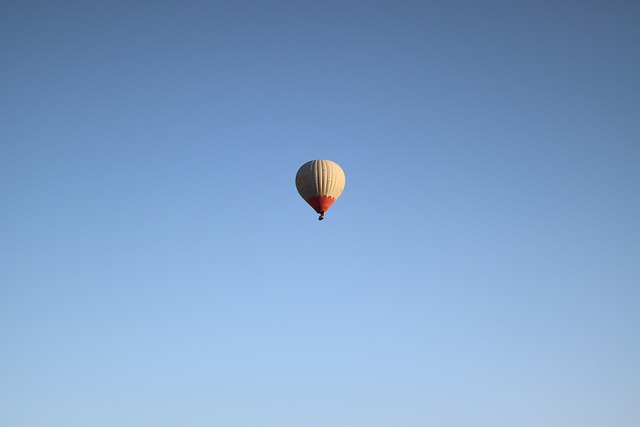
{"x": 158, "y": 268}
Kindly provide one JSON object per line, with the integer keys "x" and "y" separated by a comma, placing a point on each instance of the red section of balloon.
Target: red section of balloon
{"x": 321, "y": 203}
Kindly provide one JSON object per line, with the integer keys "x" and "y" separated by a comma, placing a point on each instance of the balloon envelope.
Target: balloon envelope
{"x": 320, "y": 183}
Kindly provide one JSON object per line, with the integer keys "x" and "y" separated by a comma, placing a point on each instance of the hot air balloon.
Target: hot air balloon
{"x": 320, "y": 183}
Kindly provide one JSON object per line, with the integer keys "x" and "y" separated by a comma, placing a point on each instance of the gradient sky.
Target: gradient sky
{"x": 158, "y": 268}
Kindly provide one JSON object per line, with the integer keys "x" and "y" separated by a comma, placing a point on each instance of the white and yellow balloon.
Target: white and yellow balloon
{"x": 320, "y": 183}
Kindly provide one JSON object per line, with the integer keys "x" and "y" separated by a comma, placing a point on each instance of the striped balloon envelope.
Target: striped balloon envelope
{"x": 320, "y": 183}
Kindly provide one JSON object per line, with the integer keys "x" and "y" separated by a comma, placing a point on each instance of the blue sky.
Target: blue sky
{"x": 158, "y": 268}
